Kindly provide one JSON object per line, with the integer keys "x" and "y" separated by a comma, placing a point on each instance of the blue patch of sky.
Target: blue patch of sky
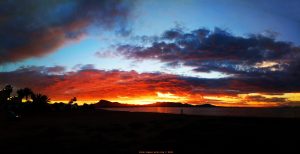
{"x": 239, "y": 17}
{"x": 152, "y": 18}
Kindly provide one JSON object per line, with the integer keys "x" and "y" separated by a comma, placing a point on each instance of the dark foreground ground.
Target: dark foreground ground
{"x": 123, "y": 132}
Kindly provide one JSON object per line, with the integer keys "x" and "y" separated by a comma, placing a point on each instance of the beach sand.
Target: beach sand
{"x": 126, "y": 132}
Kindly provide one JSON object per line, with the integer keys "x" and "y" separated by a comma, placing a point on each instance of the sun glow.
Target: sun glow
{"x": 273, "y": 66}
{"x": 288, "y": 96}
{"x": 239, "y": 100}
{"x": 265, "y": 64}
{"x": 167, "y": 95}
{"x": 159, "y": 97}
{"x": 227, "y": 99}
{"x": 137, "y": 100}
{"x": 255, "y": 100}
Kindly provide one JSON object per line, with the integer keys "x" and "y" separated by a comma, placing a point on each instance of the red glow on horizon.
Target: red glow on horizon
{"x": 90, "y": 86}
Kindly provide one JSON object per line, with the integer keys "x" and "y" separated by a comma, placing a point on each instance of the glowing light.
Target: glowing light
{"x": 240, "y": 100}
{"x": 269, "y": 65}
{"x": 224, "y": 99}
{"x": 159, "y": 97}
{"x": 166, "y": 95}
{"x": 289, "y": 96}
{"x": 26, "y": 100}
{"x": 266, "y": 64}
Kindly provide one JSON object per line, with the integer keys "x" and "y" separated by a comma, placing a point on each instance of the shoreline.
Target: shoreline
{"x": 215, "y": 112}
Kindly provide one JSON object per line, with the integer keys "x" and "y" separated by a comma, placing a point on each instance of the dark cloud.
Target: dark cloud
{"x": 36, "y": 77}
{"x": 35, "y": 28}
{"x": 243, "y": 85}
{"x": 255, "y": 63}
{"x": 56, "y": 69}
{"x": 172, "y": 34}
{"x": 87, "y": 67}
{"x": 79, "y": 67}
{"x": 42, "y": 69}
{"x": 216, "y": 50}
{"x": 259, "y": 98}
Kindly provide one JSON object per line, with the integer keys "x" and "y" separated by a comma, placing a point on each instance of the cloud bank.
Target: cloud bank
{"x": 220, "y": 51}
{"x": 255, "y": 63}
{"x": 35, "y": 28}
{"x": 89, "y": 83}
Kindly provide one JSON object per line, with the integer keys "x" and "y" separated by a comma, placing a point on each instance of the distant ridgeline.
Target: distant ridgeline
{"x": 109, "y": 104}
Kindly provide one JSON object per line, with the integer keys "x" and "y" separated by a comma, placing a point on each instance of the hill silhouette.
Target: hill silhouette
{"x": 109, "y": 104}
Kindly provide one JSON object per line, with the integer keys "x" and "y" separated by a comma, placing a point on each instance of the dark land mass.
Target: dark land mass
{"x": 109, "y": 104}
{"x": 101, "y": 131}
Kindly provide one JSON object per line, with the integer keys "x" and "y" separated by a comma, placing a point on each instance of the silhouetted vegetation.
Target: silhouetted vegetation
{"x": 5, "y": 94}
{"x": 74, "y": 99}
{"x": 28, "y": 101}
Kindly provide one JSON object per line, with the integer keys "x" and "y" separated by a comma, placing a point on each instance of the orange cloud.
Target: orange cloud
{"x": 90, "y": 85}
{"x": 116, "y": 85}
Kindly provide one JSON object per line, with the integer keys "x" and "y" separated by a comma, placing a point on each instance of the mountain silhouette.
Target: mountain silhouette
{"x": 108, "y": 104}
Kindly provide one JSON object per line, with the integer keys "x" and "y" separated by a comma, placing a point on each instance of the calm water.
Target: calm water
{"x": 244, "y": 112}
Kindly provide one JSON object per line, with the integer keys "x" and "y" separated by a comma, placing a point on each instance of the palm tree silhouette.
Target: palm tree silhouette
{"x": 20, "y": 94}
{"x": 40, "y": 99}
{"x": 26, "y": 92}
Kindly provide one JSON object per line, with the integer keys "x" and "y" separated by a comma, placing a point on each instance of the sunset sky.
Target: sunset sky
{"x": 222, "y": 52}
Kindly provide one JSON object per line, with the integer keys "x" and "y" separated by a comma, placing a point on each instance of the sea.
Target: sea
{"x": 288, "y": 112}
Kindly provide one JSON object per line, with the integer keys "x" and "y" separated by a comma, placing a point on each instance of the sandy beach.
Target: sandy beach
{"x": 125, "y": 132}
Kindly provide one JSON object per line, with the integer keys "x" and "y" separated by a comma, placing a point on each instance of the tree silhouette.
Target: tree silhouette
{"x": 74, "y": 99}
{"x": 20, "y": 94}
{"x": 5, "y": 93}
{"x": 8, "y": 90}
{"x": 40, "y": 99}
{"x": 38, "y": 102}
{"x": 26, "y": 92}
